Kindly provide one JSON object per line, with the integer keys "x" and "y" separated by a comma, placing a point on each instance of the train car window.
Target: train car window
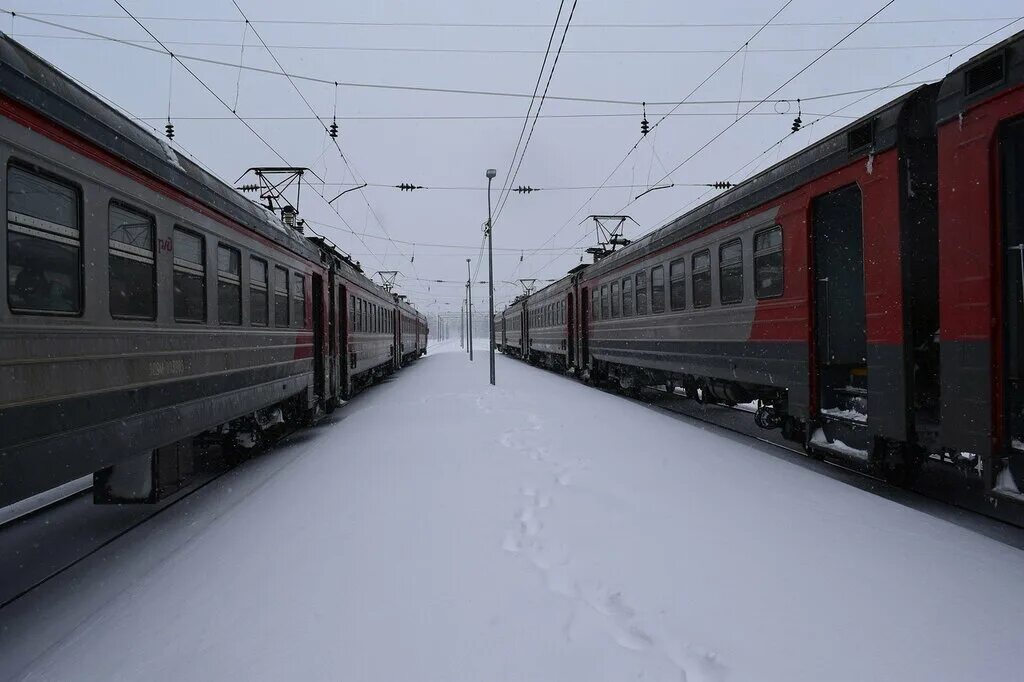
{"x": 189, "y": 277}
{"x": 595, "y": 304}
{"x": 229, "y": 285}
{"x": 700, "y": 278}
{"x": 616, "y": 300}
{"x": 258, "y": 292}
{"x": 677, "y": 284}
{"x": 299, "y": 300}
{"x": 44, "y": 244}
{"x": 281, "y": 302}
{"x": 605, "y": 307}
{"x": 658, "y": 289}
{"x": 730, "y": 271}
{"x": 641, "y": 292}
{"x": 132, "y": 259}
{"x": 351, "y": 313}
{"x": 627, "y": 297}
{"x": 768, "y": 266}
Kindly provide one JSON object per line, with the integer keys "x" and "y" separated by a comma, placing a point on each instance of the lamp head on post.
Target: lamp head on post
{"x": 491, "y": 173}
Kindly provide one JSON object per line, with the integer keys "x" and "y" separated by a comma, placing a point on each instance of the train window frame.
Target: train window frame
{"x": 640, "y": 293}
{"x": 224, "y": 277}
{"x": 286, "y": 294}
{"x": 47, "y": 176}
{"x": 605, "y": 303}
{"x": 184, "y": 268}
{"x": 703, "y": 272}
{"x": 655, "y": 309}
{"x": 627, "y": 296}
{"x": 732, "y": 263}
{"x": 352, "y": 307}
{"x": 767, "y": 252}
{"x": 131, "y": 252}
{"x": 263, "y": 286}
{"x": 616, "y": 299}
{"x": 298, "y": 300}
{"x": 595, "y": 303}
{"x": 674, "y": 281}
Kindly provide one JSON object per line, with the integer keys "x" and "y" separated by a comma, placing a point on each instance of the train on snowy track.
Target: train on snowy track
{"x": 868, "y": 291}
{"x": 147, "y": 304}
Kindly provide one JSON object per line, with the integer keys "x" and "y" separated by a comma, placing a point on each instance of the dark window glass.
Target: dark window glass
{"x": 627, "y": 297}
{"x": 351, "y": 313}
{"x": 658, "y": 289}
{"x": 768, "y": 266}
{"x": 730, "y": 271}
{"x": 44, "y": 244}
{"x": 132, "y": 260}
{"x": 189, "y": 277}
{"x": 299, "y": 300}
{"x": 641, "y": 292}
{"x": 595, "y": 304}
{"x": 616, "y": 300}
{"x": 281, "y": 302}
{"x": 229, "y": 285}
{"x": 700, "y": 276}
{"x": 677, "y": 285}
{"x": 605, "y": 307}
{"x": 258, "y": 292}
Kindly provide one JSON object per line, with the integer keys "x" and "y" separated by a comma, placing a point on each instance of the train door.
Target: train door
{"x": 318, "y": 337}
{"x": 332, "y": 335}
{"x": 1011, "y": 146}
{"x": 839, "y": 307}
{"x": 570, "y": 321}
{"x": 584, "y": 327}
{"x": 396, "y": 356}
{"x": 345, "y": 320}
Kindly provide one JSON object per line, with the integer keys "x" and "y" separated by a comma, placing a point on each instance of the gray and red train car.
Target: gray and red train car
{"x": 868, "y": 291}
{"x": 145, "y": 303}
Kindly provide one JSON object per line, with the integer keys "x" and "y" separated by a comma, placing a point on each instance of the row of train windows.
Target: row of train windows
{"x": 44, "y": 262}
{"x": 617, "y": 298}
{"x": 365, "y": 316}
{"x": 548, "y": 315}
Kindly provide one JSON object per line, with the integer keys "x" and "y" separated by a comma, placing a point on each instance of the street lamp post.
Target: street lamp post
{"x": 490, "y": 270}
{"x": 469, "y": 298}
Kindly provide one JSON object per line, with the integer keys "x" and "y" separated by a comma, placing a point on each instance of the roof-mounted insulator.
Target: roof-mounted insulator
{"x": 169, "y": 130}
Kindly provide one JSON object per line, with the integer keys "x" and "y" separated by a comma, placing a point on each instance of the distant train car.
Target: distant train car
{"x": 516, "y": 326}
{"x": 550, "y": 312}
{"x": 413, "y": 332}
{"x": 145, "y": 302}
{"x": 980, "y": 115}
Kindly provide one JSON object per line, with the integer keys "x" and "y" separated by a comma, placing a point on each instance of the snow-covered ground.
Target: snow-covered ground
{"x": 439, "y": 529}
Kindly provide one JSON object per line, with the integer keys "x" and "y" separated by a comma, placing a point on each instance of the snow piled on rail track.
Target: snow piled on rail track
{"x": 440, "y": 529}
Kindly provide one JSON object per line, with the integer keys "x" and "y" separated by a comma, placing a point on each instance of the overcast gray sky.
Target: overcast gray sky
{"x": 601, "y": 59}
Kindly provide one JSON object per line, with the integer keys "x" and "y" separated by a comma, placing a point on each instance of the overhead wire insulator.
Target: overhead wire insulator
{"x": 333, "y": 131}
{"x": 645, "y": 126}
{"x": 525, "y": 189}
{"x": 723, "y": 184}
{"x": 169, "y": 130}
{"x": 797, "y": 122}
{"x": 408, "y": 187}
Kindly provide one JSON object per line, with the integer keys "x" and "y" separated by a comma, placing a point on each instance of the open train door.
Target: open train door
{"x": 840, "y": 321}
{"x": 1011, "y": 148}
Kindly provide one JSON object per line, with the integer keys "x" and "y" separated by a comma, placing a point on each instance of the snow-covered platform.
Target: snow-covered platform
{"x": 439, "y": 529}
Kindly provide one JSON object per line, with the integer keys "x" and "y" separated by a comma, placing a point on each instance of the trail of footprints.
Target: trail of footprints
{"x": 625, "y": 626}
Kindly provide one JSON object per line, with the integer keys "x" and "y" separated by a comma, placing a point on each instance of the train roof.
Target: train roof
{"x": 28, "y": 79}
{"x": 870, "y": 134}
{"x": 998, "y": 68}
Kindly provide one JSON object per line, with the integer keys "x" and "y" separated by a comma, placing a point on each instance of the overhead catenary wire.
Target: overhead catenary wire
{"x": 385, "y": 86}
{"x": 663, "y": 117}
{"x": 740, "y": 118}
{"x": 515, "y": 25}
{"x": 228, "y": 107}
